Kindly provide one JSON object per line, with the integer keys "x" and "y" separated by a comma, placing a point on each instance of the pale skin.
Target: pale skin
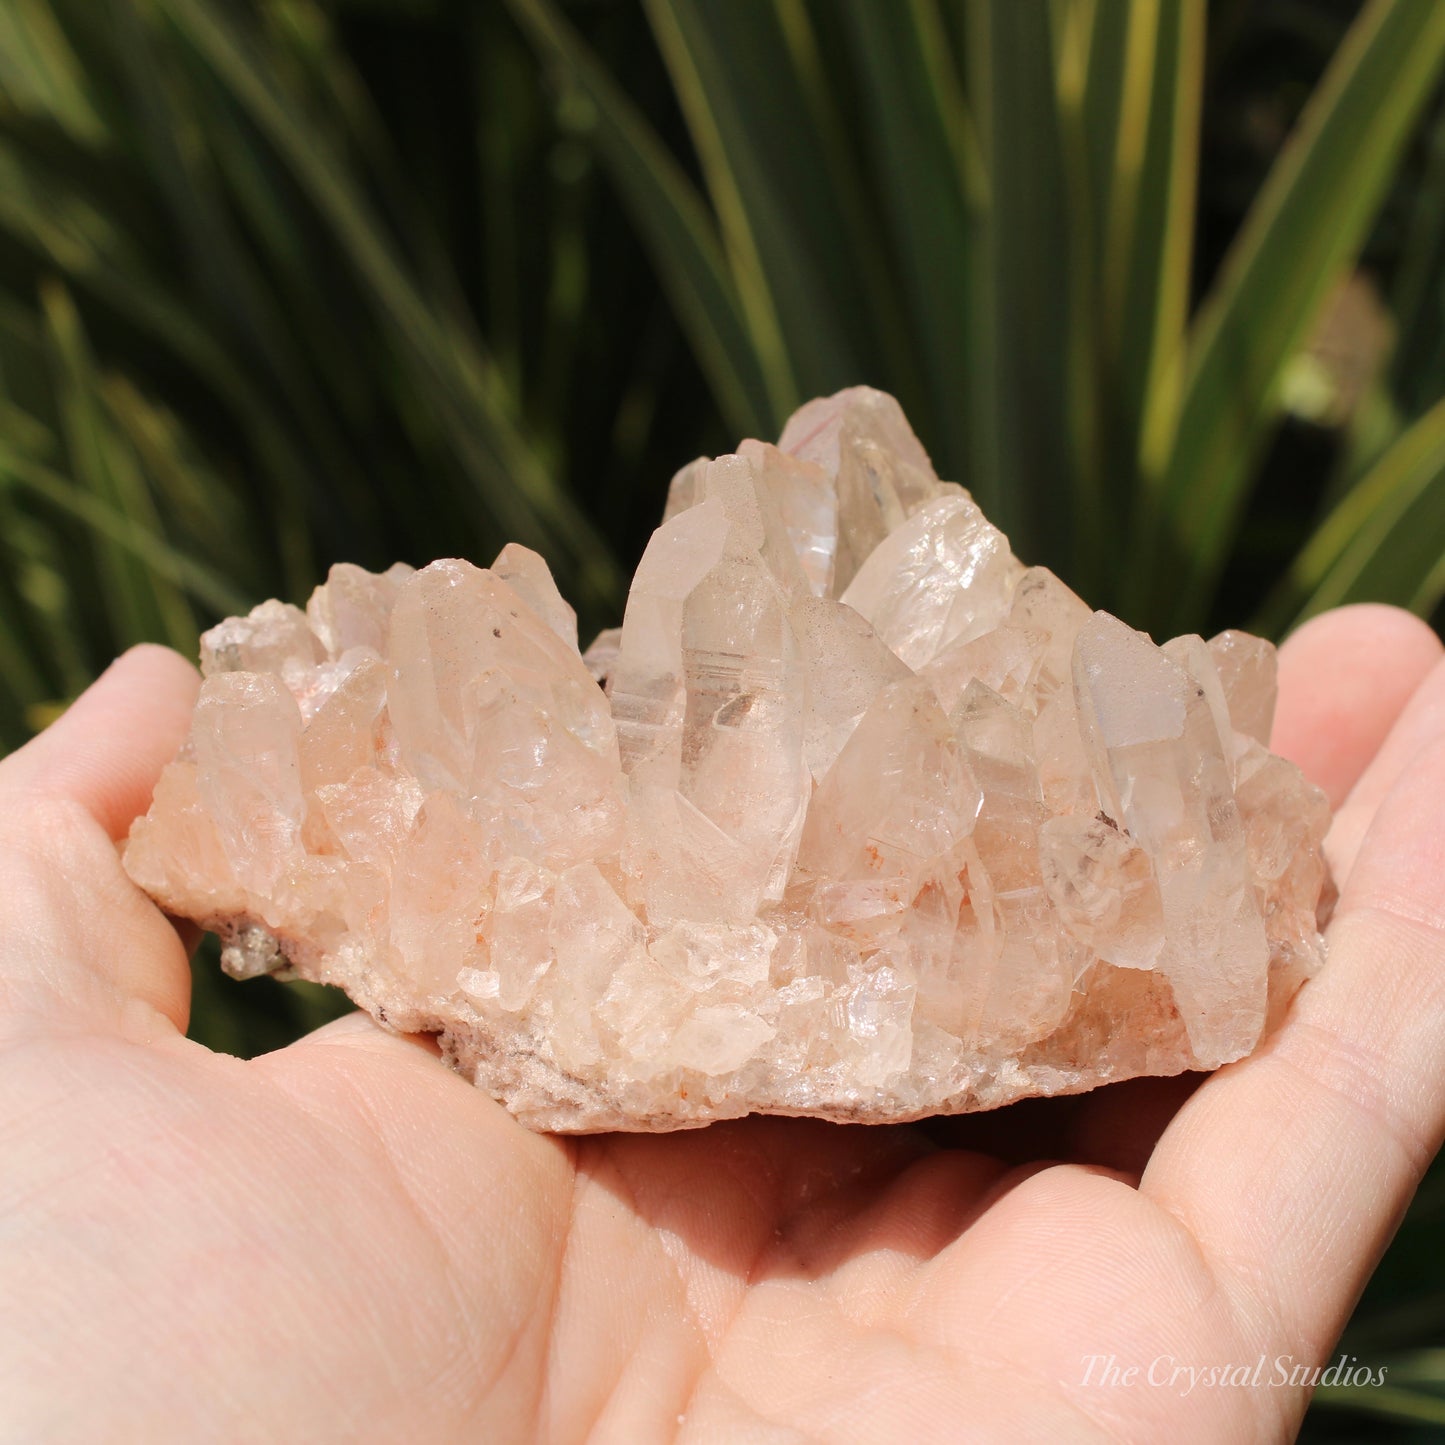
{"x": 344, "y": 1241}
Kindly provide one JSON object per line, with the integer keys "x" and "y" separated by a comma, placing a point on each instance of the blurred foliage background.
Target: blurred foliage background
{"x": 285, "y": 282}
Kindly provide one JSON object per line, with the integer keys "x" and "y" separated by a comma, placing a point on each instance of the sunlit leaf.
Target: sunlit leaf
{"x": 1304, "y": 228}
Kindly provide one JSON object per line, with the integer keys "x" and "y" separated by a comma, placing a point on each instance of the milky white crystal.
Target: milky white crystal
{"x": 854, "y": 816}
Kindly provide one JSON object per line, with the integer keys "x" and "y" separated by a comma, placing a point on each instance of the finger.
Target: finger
{"x": 1292, "y": 1168}
{"x": 1118, "y": 1127}
{"x": 1343, "y": 679}
{"x": 78, "y": 941}
{"x": 1421, "y": 722}
{"x": 106, "y": 750}
{"x": 358, "y": 1029}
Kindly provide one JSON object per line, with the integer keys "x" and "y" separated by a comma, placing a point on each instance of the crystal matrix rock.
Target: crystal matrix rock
{"x": 854, "y": 816}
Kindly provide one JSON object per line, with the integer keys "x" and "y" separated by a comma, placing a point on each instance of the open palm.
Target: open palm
{"x": 342, "y": 1240}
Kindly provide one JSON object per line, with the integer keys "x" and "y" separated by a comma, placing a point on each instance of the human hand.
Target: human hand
{"x": 344, "y": 1241}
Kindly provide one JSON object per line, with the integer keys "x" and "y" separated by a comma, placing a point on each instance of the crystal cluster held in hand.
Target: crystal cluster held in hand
{"x": 854, "y": 816}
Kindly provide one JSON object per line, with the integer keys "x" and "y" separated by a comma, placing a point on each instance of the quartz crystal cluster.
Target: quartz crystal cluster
{"x": 854, "y": 816}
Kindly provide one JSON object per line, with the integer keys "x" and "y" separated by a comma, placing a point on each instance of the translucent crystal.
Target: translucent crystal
{"x": 1162, "y": 773}
{"x": 943, "y": 576}
{"x": 529, "y": 577}
{"x": 1246, "y": 668}
{"x": 878, "y": 470}
{"x": 853, "y": 816}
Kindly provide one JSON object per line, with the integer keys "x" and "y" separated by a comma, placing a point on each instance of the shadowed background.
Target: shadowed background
{"x": 287, "y": 282}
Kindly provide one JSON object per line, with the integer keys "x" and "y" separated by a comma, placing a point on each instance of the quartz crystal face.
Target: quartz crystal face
{"x": 854, "y": 816}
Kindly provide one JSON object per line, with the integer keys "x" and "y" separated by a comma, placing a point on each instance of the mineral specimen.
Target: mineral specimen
{"x": 855, "y": 816}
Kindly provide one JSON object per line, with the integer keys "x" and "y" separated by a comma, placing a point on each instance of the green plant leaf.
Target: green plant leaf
{"x": 819, "y": 170}
{"x": 90, "y": 250}
{"x": 1417, "y": 293}
{"x": 1150, "y": 253}
{"x": 740, "y": 201}
{"x": 39, "y": 69}
{"x": 1386, "y": 1402}
{"x": 765, "y": 122}
{"x": 1384, "y": 540}
{"x": 465, "y": 392}
{"x": 150, "y": 607}
{"x": 673, "y": 220}
{"x": 925, "y": 153}
{"x": 125, "y": 534}
{"x": 1306, "y": 225}
{"x": 1034, "y": 449}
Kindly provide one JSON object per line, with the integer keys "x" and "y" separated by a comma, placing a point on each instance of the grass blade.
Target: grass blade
{"x": 673, "y": 221}
{"x": 1417, "y": 295}
{"x": 83, "y": 243}
{"x": 1149, "y": 285}
{"x": 783, "y": 154}
{"x": 835, "y": 202}
{"x": 1307, "y": 224}
{"x": 1384, "y": 540}
{"x": 467, "y": 393}
{"x": 39, "y": 70}
{"x": 126, "y": 534}
{"x": 1037, "y": 461}
{"x": 1385, "y": 1402}
{"x": 738, "y": 192}
{"x": 925, "y": 153}
{"x": 148, "y": 605}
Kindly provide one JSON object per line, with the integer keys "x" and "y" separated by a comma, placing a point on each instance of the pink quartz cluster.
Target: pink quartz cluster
{"x": 854, "y": 816}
